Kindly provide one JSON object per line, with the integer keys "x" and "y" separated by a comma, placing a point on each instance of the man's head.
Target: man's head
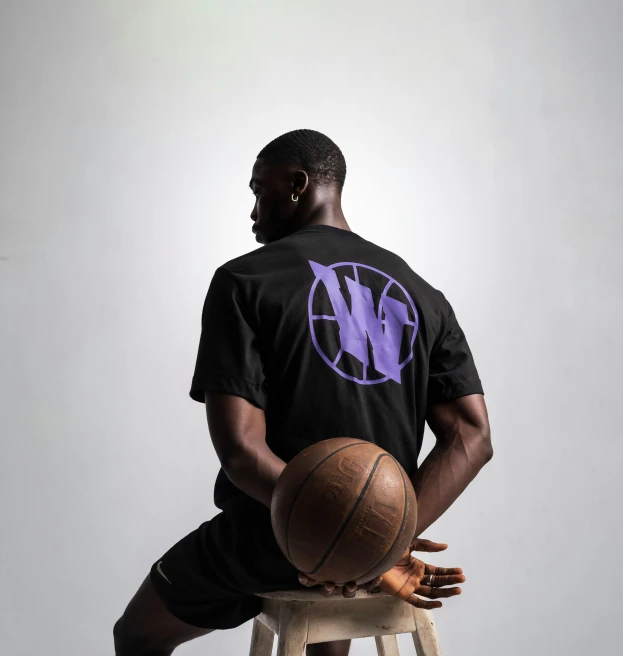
{"x": 303, "y": 164}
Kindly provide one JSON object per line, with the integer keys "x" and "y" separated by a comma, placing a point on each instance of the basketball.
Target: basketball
{"x": 343, "y": 510}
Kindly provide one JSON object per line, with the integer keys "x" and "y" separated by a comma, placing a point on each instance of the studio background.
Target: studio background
{"x": 484, "y": 145}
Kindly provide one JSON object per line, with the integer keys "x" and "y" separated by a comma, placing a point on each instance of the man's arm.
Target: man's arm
{"x": 463, "y": 447}
{"x": 238, "y": 430}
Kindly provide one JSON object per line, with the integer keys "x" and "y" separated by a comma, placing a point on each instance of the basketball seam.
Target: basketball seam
{"x": 404, "y": 519}
{"x": 348, "y": 446}
{"x": 350, "y": 515}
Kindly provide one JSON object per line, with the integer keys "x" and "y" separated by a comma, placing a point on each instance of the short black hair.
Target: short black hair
{"x": 312, "y": 151}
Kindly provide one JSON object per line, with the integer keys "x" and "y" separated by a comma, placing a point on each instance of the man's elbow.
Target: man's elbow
{"x": 235, "y": 460}
{"x": 485, "y": 446}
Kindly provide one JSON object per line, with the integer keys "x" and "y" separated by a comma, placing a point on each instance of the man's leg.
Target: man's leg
{"x": 335, "y": 648}
{"x": 147, "y": 628}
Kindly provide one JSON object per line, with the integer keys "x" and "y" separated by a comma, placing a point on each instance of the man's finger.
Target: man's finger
{"x": 436, "y": 593}
{"x": 419, "y": 544}
{"x": 370, "y": 585}
{"x": 306, "y": 581}
{"x": 436, "y": 581}
{"x": 423, "y": 603}
{"x": 328, "y": 589}
{"x": 442, "y": 571}
{"x": 350, "y": 590}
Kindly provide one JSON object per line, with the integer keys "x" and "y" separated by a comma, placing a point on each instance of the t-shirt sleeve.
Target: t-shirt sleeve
{"x": 452, "y": 372}
{"x": 228, "y": 359}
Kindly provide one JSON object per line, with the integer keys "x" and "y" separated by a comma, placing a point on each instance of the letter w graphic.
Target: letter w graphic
{"x": 362, "y": 323}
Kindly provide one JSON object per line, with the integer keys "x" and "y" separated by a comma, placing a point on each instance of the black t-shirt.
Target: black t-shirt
{"x": 332, "y": 336}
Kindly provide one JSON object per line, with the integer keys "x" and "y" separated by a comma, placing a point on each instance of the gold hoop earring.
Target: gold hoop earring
{"x": 294, "y": 199}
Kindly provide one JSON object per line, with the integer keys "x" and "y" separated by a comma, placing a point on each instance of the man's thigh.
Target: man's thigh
{"x": 208, "y": 580}
{"x": 147, "y": 627}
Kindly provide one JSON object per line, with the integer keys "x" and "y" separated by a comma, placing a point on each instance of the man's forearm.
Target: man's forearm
{"x": 255, "y": 472}
{"x": 446, "y": 472}
{"x": 439, "y": 481}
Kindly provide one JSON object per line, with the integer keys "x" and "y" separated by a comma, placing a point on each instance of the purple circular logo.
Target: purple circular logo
{"x": 363, "y": 322}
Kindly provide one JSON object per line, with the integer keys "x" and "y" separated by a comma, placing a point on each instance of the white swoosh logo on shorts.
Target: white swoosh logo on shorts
{"x": 162, "y": 573}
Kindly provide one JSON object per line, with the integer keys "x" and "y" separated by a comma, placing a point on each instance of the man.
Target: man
{"x": 318, "y": 334}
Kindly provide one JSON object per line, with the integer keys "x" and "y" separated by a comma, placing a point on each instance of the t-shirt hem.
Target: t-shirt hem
{"x": 451, "y": 392}
{"x": 235, "y": 385}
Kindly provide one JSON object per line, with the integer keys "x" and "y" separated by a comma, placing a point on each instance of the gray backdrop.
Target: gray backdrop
{"x": 484, "y": 145}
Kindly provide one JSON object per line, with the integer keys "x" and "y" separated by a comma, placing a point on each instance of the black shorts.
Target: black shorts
{"x": 208, "y": 578}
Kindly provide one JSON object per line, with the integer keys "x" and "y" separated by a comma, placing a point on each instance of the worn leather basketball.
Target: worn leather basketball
{"x": 343, "y": 510}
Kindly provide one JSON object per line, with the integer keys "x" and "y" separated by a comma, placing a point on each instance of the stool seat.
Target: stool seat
{"x": 315, "y": 594}
{"x": 303, "y": 617}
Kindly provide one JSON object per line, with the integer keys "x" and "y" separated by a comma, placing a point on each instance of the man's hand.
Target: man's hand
{"x": 329, "y": 589}
{"x": 410, "y": 577}
{"x": 404, "y": 579}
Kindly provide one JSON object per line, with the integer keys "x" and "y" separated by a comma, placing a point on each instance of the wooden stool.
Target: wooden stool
{"x": 304, "y": 617}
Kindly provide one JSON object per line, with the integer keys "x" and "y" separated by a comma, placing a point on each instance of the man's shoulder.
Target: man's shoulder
{"x": 253, "y": 261}
{"x": 284, "y": 254}
{"x": 422, "y": 285}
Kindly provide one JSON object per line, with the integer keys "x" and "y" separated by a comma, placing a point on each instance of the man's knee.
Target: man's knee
{"x": 130, "y": 643}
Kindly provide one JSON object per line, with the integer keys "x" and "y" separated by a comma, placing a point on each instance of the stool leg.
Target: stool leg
{"x": 293, "y": 628}
{"x": 261, "y": 640}
{"x": 387, "y": 645}
{"x": 425, "y": 634}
